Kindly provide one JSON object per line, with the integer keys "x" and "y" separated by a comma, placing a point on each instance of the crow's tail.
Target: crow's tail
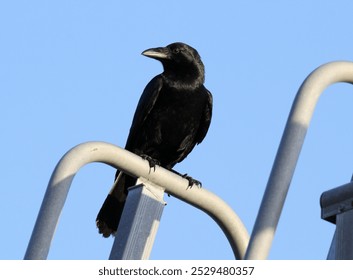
{"x": 109, "y": 215}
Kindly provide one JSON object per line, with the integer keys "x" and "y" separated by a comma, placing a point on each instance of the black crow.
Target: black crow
{"x": 172, "y": 116}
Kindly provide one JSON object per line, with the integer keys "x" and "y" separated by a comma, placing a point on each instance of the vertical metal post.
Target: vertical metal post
{"x": 344, "y": 236}
{"x": 139, "y": 223}
{"x": 288, "y": 153}
{"x": 337, "y": 208}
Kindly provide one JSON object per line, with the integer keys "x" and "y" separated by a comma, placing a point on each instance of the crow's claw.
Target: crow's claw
{"x": 192, "y": 181}
{"x": 151, "y": 161}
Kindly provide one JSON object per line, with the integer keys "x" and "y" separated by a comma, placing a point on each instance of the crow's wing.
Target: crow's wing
{"x": 144, "y": 107}
{"x": 206, "y": 118}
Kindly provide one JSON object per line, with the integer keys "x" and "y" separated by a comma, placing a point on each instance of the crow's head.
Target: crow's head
{"x": 181, "y": 63}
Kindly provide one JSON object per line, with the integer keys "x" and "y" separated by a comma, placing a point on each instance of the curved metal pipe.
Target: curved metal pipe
{"x": 77, "y": 157}
{"x": 288, "y": 153}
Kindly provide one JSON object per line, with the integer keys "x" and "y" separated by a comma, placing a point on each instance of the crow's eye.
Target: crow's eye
{"x": 176, "y": 51}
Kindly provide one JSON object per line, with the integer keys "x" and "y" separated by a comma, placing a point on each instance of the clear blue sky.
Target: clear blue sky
{"x": 71, "y": 72}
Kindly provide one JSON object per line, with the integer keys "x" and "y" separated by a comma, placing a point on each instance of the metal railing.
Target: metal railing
{"x": 134, "y": 165}
{"x": 288, "y": 153}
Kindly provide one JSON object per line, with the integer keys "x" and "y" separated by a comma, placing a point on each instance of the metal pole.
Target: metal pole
{"x": 134, "y": 165}
{"x": 288, "y": 153}
{"x": 139, "y": 223}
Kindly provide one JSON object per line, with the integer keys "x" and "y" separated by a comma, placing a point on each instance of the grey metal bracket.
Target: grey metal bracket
{"x": 336, "y": 201}
{"x": 337, "y": 208}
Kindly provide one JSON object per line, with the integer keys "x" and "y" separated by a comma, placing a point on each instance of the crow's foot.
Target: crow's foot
{"x": 192, "y": 181}
{"x": 151, "y": 161}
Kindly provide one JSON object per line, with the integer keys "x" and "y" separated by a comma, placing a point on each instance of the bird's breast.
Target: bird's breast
{"x": 185, "y": 104}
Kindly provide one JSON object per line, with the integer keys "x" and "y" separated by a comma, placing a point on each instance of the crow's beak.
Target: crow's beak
{"x": 157, "y": 53}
